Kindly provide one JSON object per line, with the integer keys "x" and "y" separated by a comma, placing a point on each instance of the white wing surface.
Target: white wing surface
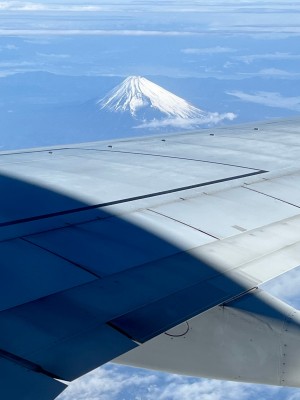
{"x": 149, "y": 252}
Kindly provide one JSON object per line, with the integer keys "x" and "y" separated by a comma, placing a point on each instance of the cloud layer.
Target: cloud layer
{"x": 208, "y": 50}
{"x": 92, "y": 32}
{"x": 191, "y": 16}
{"x": 113, "y": 382}
{"x": 270, "y": 99}
{"x": 188, "y": 123}
{"x": 37, "y": 6}
{"x": 248, "y": 59}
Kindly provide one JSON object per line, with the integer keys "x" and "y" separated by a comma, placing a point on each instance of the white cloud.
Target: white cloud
{"x": 113, "y": 382}
{"x": 5, "y": 74}
{"x": 216, "y": 6}
{"x": 188, "y": 123}
{"x": 208, "y": 50}
{"x": 212, "y": 16}
{"x": 229, "y": 64}
{"x": 10, "y": 47}
{"x": 12, "y": 64}
{"x": 277, "y": 73}
{"x": 53, "y": 55}
{"x": 263, "y": 29}
{"x": 205, "y": 389}
{"x": 108, "y": 382}
{"x": 248, "y": 59}
{"x": 272, "y": 73}
{"x": 270, "y": 99}
{"x": 92, "y": 32}
{"x": 32, "y": 6}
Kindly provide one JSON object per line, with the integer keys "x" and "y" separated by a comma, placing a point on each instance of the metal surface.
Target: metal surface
{"x": 28, "y": 273}
{"x": 228, "y": 212}
{"x": 17, "y": 382}
{"x": 112, "y": 246}
{"x": 255, "y": 338}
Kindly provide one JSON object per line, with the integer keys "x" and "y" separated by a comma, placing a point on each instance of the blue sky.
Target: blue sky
{"x": 234, "y": 40}
{"x": 251, "y": 49}
{"x": 247, "y": 46}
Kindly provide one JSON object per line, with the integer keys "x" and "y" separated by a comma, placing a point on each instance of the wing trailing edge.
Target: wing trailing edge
{"x": 255, "y": 338}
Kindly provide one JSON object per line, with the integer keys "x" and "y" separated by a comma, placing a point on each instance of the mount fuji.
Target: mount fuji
{"x": 149, "y": 106}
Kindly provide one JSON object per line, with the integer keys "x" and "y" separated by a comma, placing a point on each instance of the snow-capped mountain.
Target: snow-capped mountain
{"x": 136, "y": 92}
{"x": 139, "y": 103}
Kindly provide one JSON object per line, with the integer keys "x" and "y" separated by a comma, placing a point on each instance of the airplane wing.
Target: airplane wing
{"x": 150, "y": 252}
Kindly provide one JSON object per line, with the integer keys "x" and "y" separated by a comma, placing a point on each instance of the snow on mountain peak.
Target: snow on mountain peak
{"x": 137, "y": 92}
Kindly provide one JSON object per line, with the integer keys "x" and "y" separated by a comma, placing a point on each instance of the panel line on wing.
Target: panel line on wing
{"x": 77, "y": 265}
{"x": 136, "y": 153}
{"x": 128, "y": 199}
{"x": 26, "y": 364}
{"x": 272, "y": 197}
{"x": 169, "y": 156}
{"x": 183, "y": 223}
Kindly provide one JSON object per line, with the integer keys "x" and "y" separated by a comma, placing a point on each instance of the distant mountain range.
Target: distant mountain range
{"x": 41, "y": 109}
{"x": 144, "y": 104}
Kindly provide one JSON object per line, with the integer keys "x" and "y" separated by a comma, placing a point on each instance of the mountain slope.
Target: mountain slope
{"x": 136, "y": 92}
{"x": 155, "y": 107}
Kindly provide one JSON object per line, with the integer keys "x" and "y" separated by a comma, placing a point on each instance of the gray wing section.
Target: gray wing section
{"x": 21, "y": 382}
{"x": 107, "y": 245}
{"x": 254, "y": 338}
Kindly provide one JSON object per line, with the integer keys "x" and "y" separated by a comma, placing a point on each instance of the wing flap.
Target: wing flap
{"x": 163, "y": 293}
{"x": 28, "y": 273}
{"x": 80, "y": 353}
{"x": 17, "y": 382}
{"x": 255, "y": 338}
